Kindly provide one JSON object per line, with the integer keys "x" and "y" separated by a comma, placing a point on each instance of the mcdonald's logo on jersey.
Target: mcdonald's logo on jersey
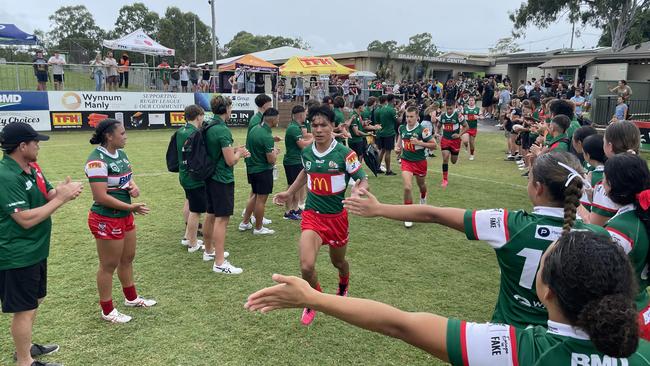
{"x": 320, "y": 185}
{"x": 177, "y": 118}
{"x": 66, "y": 120}
{"x": 326, "y": 184}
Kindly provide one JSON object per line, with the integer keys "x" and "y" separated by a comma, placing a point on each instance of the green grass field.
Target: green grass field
{"x": 200, "y": 319}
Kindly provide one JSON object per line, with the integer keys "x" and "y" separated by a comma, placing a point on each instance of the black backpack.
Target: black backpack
{"x": 195, "y": 154}
{"x": 172, "y": 155}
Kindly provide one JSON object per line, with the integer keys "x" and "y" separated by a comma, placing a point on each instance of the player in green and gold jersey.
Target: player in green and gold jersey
{"x": 111, "y": 217}
{"x": 584, "y": 281}
{"x": 328, "y": 165}
{"x": 451, "y": 125}
{"x": 472, "y": 114}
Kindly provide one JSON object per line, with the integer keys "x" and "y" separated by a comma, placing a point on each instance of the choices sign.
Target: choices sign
{"x": 25, "y": 107}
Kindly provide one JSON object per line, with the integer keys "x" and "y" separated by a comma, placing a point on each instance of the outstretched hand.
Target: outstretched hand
{"x": 290, "y": 292}
{"x": 367, "y": 207}
{"x": 281, "y": 198}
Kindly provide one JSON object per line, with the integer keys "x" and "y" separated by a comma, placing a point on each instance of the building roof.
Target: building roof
{"x": 567, "y": 62}
{"x": 275, "y": 55}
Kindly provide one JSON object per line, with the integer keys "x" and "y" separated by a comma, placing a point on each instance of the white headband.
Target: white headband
{"x": 572, "y": 175}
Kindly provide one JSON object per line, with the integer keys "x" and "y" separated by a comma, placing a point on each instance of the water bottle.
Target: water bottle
{"x": 276, "y": 174}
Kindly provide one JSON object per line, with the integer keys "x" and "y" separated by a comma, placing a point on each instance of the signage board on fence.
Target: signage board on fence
{"x": 243, "y": 106}
{"x": 26, "y": 107}
{"x": 644, "y": 128}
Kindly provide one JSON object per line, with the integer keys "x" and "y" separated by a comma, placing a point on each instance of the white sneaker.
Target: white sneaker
{"x": 423, "y": 201}
{"x": 265, "y": 221}
{"x": 301, "y": 206}
{"x": 208, "y": 256}
{"x": 226, "y": 268}
{"x": 140, "y": 302}
{"x": 197, "y": 247}
{"x": 471, "y": 157}
{"x": 408, "y": 224}
{"x": 116, "y": 317}
{"x": 244, "y": 227}
{"x": 185, "y": 242}
{"x": 263, "y": 231}
{"x": 382, "y": 167}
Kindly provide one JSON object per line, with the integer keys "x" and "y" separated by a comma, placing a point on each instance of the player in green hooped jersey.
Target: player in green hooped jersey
{"x": 628, "y": 185}
{"x": 472, "y": 114}
{"x": 594, "y": 155}
{"x": 111, "y": 217}
{"x": 451, "y": 126}
{"x": 519, "y": 238}
{"x": 587, "y": 287}
{"x": 413, "y": 138}
{"x": 328, "y": 165}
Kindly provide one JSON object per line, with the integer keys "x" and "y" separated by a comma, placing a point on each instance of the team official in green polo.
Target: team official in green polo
{"x": 294, "y": 141}
{"x": 27, "y": 200}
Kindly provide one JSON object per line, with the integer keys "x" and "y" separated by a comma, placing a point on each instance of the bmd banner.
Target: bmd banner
{"x": 83, "y": 110}
{"x": 243, "y": 106}
{"x": 26, "y": 107}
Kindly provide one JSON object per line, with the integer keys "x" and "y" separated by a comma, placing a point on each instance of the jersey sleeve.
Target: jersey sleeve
{"x": 601, "y": 204}
{"x": 472, "y": 344}
{"x": 620, "y": 238}
{"x": 491, "y": 226}
{"x": 96, "y": 171}
{"x": 13, "y": 197}
{"x": 224, "y": 139}
{"x": 426, "y": 134}
{"x": 353, "y": 166}
{"x": 269, "y": 144}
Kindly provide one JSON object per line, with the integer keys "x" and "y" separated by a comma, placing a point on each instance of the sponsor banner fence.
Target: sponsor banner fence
{"x": 243, "y": 106}
{"x": 132, "y": 120}
{"x": 25, "y": 107}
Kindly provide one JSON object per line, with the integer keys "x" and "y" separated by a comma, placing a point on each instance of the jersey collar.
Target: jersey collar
{"x": 599, "y": 168}
{"x": 566, "y": 330}
{"x": 413, "y": 129}
{"x": 329, "y": 149}
{"x": 551, "y": 211}
{"x": 626, "y": 208}
{"x": 104, "y": 151}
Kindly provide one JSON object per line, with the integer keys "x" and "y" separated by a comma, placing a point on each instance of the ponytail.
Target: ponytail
{"x": 572, "y": 194}
{"x": 103, "y": 128}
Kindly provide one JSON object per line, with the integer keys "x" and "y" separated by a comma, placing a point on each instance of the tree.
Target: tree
{"x": 420, "y": 45}
{"x": 639, "y": 32}
{"x": 505, "y": 46}
{"x": 617, "y": 15}
{"x": 176, "y": 30}
{"x": 133, "y": 17}
{"x": 244, "y": 42}
{"x": 74, "y": 30}
{"x": 386, "y": 47}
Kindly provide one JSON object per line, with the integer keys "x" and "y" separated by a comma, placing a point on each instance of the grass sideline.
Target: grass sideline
{"x": 200, "y": 319}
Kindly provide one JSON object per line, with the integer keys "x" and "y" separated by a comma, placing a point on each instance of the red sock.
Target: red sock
{"x": 318, "y": 287}
{"x": 423, "y": 194}
{"x": 107, "y": 306}
{"x": 130, "y": 293}
{"x": 408, "y": 202}
{"x": 445, "y": 175}
{"x": 344, "y": 280}
{"x": 471, "y": 151}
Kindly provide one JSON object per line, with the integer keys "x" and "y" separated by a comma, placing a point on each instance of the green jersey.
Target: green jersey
{"x": 21, "y": 191}
{"x": 219, "y": 137}
{"x": 519, "y": 240}
{"x": 630, "y": 233}
{"x": 559, "y": 143}
{"x": 356, "y": 121}
{"x": 366, "y": 115}
{"x": 596, "y": 178}
{"x": 412, "y": 152}
{"x": 451, "y": 125}
{"x": 115, "y": 171}
{"x": 327, "y": 176}
{"x": 471, "y": 116}
{"x": 388, "y": 121}
{"x": 339, "y": 119}
{"x": 291, "y": 137}
{"x": 254, "y": 121}
{"x": 183, "y": 176}
{"x": 572, "y": 128}
{"x": 259, "y": 142}
{"x": 472, "y": 344}
{"x": 307, "y": 125}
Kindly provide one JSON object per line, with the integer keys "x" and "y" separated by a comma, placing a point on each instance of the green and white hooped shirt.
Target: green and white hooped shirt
{"x": 115, "y": 171}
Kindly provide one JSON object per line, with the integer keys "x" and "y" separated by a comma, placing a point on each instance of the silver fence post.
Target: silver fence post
{"x": 17, "y": 76}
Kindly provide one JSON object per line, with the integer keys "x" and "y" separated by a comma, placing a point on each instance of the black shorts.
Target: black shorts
{"x": 358, "y": 147}
{"x": 386, "y": 143}
{"x": 261, "y": 183}
{"x": 194, "y": 81}
{"x": 41, "y": 77}
{"x": 183, "y": 82}
{"x": 58, "y": 78}
{"x": 292, "y": 171}
{"x": 197, "y": 199}
{"x": 20, "y": 288}
{"x": 221, "y": 198}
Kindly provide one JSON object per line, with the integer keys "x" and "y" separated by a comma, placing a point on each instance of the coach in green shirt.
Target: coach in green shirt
{"x": 263, "y": 102}
{"x": 294, "y": 142}
{"x": 386, "y": 136}
{"x": 27, "y": 200}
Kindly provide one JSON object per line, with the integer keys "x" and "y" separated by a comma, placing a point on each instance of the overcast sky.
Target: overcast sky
{"x": 336, "y": 25}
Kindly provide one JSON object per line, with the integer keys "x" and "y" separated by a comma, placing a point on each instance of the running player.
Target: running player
{"x": 327, "y": 167}
{"x": 587, "y": 287}
{"x": 453, "y": 126}
{"x": 472, "y": 114}
{"x": 518, "y": 238}
{"x": 386, "y": 136}
{"x": 294, "y": 141}
{"x": 620, "y": 137}
{"x": 111, "y": 217}
{"x": 627, "y": 183}
{"x": 413, "y": 138}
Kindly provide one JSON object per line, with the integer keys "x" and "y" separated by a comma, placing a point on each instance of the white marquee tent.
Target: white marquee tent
{"x": 138, "y": 41}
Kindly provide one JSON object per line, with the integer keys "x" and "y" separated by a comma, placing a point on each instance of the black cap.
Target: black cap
{"x": 17, "y": 132}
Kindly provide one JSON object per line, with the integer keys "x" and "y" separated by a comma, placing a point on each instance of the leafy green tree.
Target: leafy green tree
{"x": 504, "y": 46}
{"x": 420, "y": 45}
{"x": 176, "y": 30}
{"x": 74, "y": 31}
{"x": 617, "y": 15}
{"x": 133, "y": 17}
{"x": 639, "y": 32}
{"x": 244, "y": 42}
{"x": 379, "y": 46}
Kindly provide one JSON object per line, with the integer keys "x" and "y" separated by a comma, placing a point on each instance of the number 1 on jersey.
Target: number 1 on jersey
{"x": 533, "y": 256}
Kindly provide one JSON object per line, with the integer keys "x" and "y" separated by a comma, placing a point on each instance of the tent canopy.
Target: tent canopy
{"x": 297, "y": 66}
{"x": 252, "y": 63}
{"x": 10, "y": 34}
{"x": 139, "y": 41}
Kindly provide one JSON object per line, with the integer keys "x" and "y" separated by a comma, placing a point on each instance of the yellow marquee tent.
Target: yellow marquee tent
{"x": 297, "y": 66}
